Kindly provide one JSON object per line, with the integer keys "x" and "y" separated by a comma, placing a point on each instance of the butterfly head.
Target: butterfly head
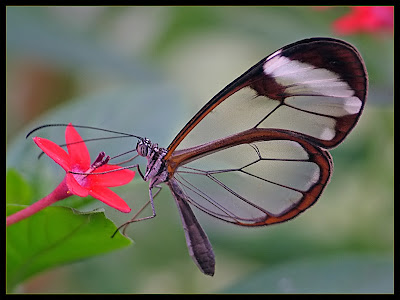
{"x": 142, "y": 147}
{"x": 147, "y": 149}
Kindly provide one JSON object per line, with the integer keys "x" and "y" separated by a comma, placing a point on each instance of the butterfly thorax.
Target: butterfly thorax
{"x": 156, "y": 170}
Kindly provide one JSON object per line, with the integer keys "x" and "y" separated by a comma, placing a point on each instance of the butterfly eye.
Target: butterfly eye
{"x": 142, "y": 148}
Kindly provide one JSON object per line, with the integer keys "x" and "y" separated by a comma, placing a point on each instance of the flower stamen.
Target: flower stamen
{"x": 101, "y": 160}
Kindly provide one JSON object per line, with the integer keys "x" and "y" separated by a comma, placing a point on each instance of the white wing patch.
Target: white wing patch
{"x": 352, "y": 105}
{"x": 302, "y": 80}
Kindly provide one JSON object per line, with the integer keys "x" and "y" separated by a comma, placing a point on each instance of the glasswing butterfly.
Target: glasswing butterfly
{"x": 256, "y": 153}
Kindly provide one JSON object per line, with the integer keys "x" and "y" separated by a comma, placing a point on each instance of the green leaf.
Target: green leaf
{"x": 340, "y": 274}
{"x": 17, "y": 190}
{"x": 54, "y": 236}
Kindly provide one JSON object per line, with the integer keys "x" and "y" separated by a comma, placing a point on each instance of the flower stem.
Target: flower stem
{"x": 59, "y": 193}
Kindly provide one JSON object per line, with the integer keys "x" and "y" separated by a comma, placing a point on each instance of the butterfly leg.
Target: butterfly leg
{"x": 134, "y": 218}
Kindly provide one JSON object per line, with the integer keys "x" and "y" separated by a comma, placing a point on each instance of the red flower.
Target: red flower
{"x": 368, "y": 19}
{"x": 85, "y": 178}
{"x": 77, "y": 160}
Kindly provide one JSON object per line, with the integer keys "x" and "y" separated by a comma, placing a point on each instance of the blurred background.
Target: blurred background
{"x": 146, "y": 71}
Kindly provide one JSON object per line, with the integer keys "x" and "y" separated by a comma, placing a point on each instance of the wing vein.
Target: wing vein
{"x": 201, "y": 194}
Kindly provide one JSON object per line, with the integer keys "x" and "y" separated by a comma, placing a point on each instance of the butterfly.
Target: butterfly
{"x": 256, "y": 154}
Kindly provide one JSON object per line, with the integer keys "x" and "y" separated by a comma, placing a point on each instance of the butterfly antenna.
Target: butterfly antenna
{"x": 81, "y": 126}
{"x": 87, "y": 140}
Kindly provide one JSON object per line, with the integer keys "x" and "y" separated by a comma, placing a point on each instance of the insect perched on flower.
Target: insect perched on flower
{"x": 256, "y": 154}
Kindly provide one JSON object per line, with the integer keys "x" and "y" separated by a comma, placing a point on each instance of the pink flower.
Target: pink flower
{"x": 82, "y": 178}
{"x": 367, "y": 19}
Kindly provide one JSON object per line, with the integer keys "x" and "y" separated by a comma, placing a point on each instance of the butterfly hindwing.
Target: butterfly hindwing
{"x": 260, "y": 177}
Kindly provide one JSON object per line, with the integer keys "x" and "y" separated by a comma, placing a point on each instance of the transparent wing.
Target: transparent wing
{"x": 251, "y": 183}
{"x": 315, "y": 87}
{"x": 255, "y": 153}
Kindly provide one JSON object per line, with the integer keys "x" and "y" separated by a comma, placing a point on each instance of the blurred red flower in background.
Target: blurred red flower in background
{"x": 365, "y": 19}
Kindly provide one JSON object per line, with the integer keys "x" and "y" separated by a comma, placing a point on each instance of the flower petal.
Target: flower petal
{"x": 77, "y": 149}
{"x": 75, "y": 187}
{"x": 54, "y": 151}
{"x": 110, "y": 198}
{"x": 115, "y": 178}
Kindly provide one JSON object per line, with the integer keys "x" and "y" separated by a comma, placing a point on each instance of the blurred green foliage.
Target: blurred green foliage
{"x": 147, "y": 70}
{"x": 53, "y": 236}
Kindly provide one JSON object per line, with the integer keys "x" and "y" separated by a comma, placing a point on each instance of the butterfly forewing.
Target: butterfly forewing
{"x": 316, "y": 87}
{"x": 254, "y": 154}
